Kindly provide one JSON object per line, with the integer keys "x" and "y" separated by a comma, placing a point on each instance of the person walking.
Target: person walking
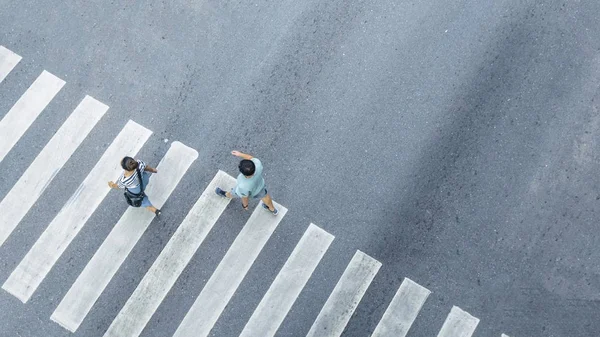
{"x": 130, "y": 181}
{"x": 250, "y": 183}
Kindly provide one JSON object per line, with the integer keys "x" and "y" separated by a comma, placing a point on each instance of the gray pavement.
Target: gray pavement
{"x": 456, "y": 143}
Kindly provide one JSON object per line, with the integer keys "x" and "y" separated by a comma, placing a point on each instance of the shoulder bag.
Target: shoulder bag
{"x": 133, "y": 199}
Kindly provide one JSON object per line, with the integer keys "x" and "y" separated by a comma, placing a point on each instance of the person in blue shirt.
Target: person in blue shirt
{"x": 250, "y": 183}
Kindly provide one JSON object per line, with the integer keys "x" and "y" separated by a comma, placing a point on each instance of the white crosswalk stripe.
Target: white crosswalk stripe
{"x": 282, "y": 294}
{"x": 8, "y": 61}
{"x": 459, "y": 323}
{"x": 20, "y": 117}
{"x": 104, "y": 264}
{"x": 345, "y": 296}
{"x": 157, "y": 282}
{"x": 28, "y": 275}
{"x": 230, "y": 272}
{"x": 46, "y": 165}
{"x": 155, "y": 286}
{"x": 403, "y": 310}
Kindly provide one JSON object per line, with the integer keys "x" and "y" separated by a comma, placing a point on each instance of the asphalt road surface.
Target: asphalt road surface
{"x": 455, "y": 142}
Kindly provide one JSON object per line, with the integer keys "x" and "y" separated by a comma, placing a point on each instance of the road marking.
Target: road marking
{"x": 228, "y": 275}
{"x": 345, "y": 296}
{"x": 46, "y": 165}
{"x": 20, "y": 117}
{"x": 459, "y": 323}
{"x": 114, "y": 250}
{"x": 503, "y": 335}
{"x": 32, "y": 270}
{"x": 402, "y": 311}
{"x": 8, "y": 61}
{"x": 171, "y": 262}
{"x": 288, "y": 284}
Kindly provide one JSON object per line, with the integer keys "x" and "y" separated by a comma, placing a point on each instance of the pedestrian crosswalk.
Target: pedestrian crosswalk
{"x": 178, "y": 252}
{"x": 28, "y": 275}
{"x": 8, "y": 60}
{"x": 289, "y": 283}
{"x": 211, "y": 301}
{"x": 458, "y": 324}
{"x": 27, "y": 109}
{"x": 46, "y": 165}
{"x": 403, "y": 310}
{"x": 345, "y": 296}
{"x": 229, "y": 274}
{"x": 104, "y": 264}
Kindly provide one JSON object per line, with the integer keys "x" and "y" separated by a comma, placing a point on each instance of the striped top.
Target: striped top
{"x": 133, "y": 180}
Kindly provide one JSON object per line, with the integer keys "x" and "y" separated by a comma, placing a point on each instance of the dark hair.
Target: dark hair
{"x": 129, "y": 164}
{"x": 247, "y": 167}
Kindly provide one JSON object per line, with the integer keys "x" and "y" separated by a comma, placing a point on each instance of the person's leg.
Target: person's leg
{"x": 146, "y": 201}
{"x": 269, "y": 202}
{"x": 232, "y": 195}
{"x": 148, "y": 204}
{"x": 225, "y": 194}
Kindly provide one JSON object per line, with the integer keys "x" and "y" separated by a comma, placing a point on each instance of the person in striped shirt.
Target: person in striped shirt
{"x": 130, "y": 180}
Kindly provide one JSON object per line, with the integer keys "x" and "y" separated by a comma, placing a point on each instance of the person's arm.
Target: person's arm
{"x": 113, "y": 185}
{"x": 241, "y": 155}
{"x": 150, "y": 169}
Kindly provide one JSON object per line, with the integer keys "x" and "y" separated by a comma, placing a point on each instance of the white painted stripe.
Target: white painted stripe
{"x": 288, "y": 284}
{"x": 20, "y": 117}
{"x": 459, "y": 323}
{"x": 345, "y": 296}
{"x": 32, "y": 270}
{"x": 46, "y": 165}
{"x": 8, "y": 61}
{"x": 503, "y": 335}
{"x": 178, "y": 252}
{"x": 223, "y": 283}
{"x": 114, "y": 250}
{"x": 402, "y": 311}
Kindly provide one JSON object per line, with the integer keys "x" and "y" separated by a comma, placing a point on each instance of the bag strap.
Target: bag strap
{"x": 141, "y": 180}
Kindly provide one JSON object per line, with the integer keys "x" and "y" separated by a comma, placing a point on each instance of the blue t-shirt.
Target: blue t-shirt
{"x": 249, "y": 187}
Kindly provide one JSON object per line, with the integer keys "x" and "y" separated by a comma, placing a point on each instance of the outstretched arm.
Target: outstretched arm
{"x": 241, "y": 155}
{"x": 150, "y": 169}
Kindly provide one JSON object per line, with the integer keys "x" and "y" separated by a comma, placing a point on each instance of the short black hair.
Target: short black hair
{"x": 247, "y": 167}
{"x": 129, "y": 164}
